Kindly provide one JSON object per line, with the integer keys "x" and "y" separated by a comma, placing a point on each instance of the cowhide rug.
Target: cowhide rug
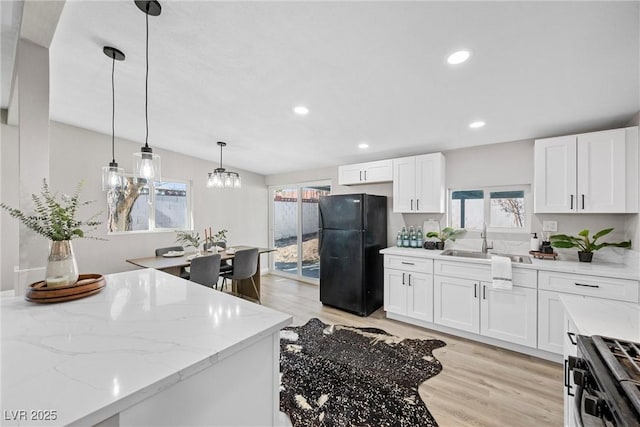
{"x": 346, "y": 376}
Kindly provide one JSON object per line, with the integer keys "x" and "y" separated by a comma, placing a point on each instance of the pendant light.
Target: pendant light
{"x": 222, "y": 178}
{"x": 112, "y": 175}
{"x": 146, "y": 164}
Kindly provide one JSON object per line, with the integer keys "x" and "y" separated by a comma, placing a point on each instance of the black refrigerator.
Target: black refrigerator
{"x": 353, "y": 229}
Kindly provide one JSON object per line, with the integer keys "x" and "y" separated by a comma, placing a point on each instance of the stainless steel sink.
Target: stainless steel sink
{"x": 523, "y": 259}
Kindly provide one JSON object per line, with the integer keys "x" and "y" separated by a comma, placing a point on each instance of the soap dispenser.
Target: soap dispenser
{"x": 535, "y": 243}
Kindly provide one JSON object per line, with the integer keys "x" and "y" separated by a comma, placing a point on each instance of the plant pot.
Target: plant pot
{"x": 440, "y": 245}
{"x": 62, "y": 269}
{"x": 585, "y": 256}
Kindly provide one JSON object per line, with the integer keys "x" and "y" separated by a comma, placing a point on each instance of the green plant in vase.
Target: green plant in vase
{"x": 55, "y": 219}
{"x": 586, "y": 245}
{"x": 447, "y": 233}
{"x": 187, "y": 239}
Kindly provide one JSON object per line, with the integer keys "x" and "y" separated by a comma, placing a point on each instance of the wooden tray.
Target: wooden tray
{"x": 543, "y": 255}
{"x": 87, "y": 284}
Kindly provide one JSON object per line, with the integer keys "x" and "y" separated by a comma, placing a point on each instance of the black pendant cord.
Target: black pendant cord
{"x": 113, "y": 110}
{"x": 221, "y": 157}
{"x": 146, "y": 88}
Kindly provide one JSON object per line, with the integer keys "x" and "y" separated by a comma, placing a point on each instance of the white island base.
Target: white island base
{"x": 150, "y": 350}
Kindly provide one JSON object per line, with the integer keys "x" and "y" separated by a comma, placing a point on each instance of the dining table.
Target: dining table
{"x": 173, "y": 264}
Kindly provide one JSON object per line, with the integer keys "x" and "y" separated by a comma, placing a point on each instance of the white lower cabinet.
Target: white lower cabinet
{"x": 550, "y": 322}
{"x": 509, "y": 315}
{"x": 408, "y": 288}
{"x": 475, "y": 306}
{"x": 456, "y": 303}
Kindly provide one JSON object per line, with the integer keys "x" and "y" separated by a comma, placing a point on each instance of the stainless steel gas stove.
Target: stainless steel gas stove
{"x": 607, "y": 375}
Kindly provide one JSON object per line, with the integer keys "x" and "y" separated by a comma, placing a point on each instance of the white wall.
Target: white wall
{"x": 79, "y": 154}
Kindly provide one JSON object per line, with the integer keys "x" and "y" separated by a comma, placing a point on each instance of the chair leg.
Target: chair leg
{"x": 255, "y": 288}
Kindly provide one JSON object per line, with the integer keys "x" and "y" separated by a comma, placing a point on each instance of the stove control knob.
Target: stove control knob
{"x": 580, "y": 377}
{"x": 592, "y": 405}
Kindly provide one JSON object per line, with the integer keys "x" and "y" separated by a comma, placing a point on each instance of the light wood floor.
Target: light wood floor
{"x": 480, "y": 385}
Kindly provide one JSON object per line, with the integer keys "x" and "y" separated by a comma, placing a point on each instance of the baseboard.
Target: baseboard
{"x": 552, "y": 357}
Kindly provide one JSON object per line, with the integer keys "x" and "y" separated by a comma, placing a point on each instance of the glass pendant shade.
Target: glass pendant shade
{"x": 112, "y": 177}
{"x": 147, "y": 165}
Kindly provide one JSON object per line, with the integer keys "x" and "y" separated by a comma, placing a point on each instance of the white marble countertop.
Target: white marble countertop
{"x": 594, "y": 316}
{"x": 595, "y": 268}
{"x": 91, "y": 358}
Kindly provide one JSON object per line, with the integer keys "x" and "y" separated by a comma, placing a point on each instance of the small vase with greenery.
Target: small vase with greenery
{"x": 586, "y": 245}
{"x": 447, "y": 233}
{"x": 55, "y": 219}
{"x": 187, "y": 239}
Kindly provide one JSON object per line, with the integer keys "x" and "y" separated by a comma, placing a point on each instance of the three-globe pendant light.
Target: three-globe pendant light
{"x": 112, "y": 175}
{"x": 146, "y": 163}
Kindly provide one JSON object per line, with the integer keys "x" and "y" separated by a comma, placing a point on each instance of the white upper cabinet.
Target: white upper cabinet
{"x": 419, "y": 184}
{"x": 366, "y": 173}
{"x": 594, "y": 172}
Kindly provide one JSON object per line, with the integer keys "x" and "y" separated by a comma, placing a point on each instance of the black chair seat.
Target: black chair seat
{"x": 225, "y": 268}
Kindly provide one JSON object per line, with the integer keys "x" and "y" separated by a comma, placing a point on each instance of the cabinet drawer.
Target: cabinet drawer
{"x": 595, "y": 286}
{"x": 524, "y": 277}
{"x": 420, "y": 265}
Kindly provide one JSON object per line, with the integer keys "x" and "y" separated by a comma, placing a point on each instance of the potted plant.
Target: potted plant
{"x": 445, "y": 234}
{"x": 584, "y": 243}
{"x": 187, "y": 239}
{"x": 55, "y": 219}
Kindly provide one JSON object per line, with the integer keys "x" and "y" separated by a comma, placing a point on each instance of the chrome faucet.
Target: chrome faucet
{"x": 483, "y": 236}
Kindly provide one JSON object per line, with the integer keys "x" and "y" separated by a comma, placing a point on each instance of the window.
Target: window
{"x": 133, "y": 209}
{"x": 502, "y": 209}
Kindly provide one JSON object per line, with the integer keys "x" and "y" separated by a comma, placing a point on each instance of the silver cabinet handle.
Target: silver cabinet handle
{"x": 409, "y": 279}
{"x": 407, "y": 263}
{"x": 417, "y": 204}
{"x": 571, "y": 202}
{"x": 587, "y": 286}
{"x": 411, "y": 204}
{"x": 365, "y": 175}
{"x": 484, "y": 291}
{"x": 475, "y": 290}
{"x": 361, "y": 177}
{"x": 403, "y": 278}
{"x": 583, "y": 202}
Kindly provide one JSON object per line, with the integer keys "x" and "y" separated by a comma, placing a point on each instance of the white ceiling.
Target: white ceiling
{"x": 368, "y": 71}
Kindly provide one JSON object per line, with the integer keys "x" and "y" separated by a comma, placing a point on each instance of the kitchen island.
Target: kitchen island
{"x": 150, "y": 349}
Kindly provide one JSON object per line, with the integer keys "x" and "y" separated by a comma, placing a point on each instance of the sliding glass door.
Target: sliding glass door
{"x": 294, "y": 229}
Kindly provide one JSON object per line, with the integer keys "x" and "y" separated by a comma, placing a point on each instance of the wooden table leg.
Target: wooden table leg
{"x": 172, "y": 270}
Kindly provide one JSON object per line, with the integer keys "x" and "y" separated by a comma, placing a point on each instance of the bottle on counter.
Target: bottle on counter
{"x": 412, "y": 237}
{"x": 399, "y": 239}
{"x": 405, "y": 237}
{"x": 535, "y": 243}
{"x": 419, "y": 238}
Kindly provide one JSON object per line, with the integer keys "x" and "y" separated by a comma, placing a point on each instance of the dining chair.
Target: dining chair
{"x": 225, "y": 267}
{"x": 245, "y": 266}
{"x": 205, "y": 270}
{"x": 184, "y": 274}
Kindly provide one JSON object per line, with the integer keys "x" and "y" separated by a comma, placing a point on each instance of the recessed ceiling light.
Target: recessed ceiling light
{"x": 475, "y": 125}
{"x": 363, "y": 145}
{"x": 458, "y": 57}
{"x": 301, "y": 110}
